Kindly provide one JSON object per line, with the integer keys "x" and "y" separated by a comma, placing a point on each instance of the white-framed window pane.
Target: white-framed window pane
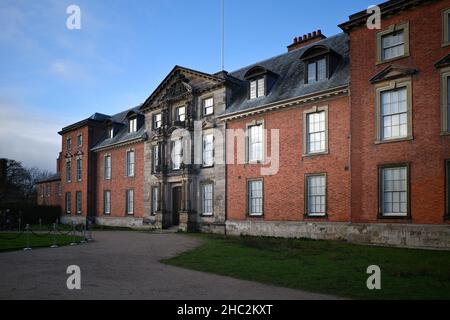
{"x": 68, "y": 203}
{"x": 255, "y": 197}
{"x": 130, "y": 201}
{"x": 155, "y": 200}
{"x": 156, "y": 157}
{"x": 316, "y": 195}
{"x": 107, "y": 202}
{"x": 181, "y": 114}
{"x": 79, "y": 169}
{"x": 255, "y": 143}
{"x": 68, "y": 171}
{"x": 208, "y": 106}
{"x": 311, "y": 72}
{"x": 132, "y": 125}
{"x": 69, "y": 144}
{"x": 107, "y": 169}
{"x": 321, "y": 69}
{"x": 394, "y": 191}
{"x": 79, "y": 140}
{"x": 393, "y": 45}
{"x": 208, "y": 150}
{"x": 177, "y": 154}
{"x": 253, "y": 89}
{"x": 207, "y": 199}
{"x": 130, "y": 163}
{"x": 78, "y": 201}
{"x": 157, "y": 121}
{"x": 394, "y": 114}
{"x": 316, "y": 135}
{"x": 261, "y": 87}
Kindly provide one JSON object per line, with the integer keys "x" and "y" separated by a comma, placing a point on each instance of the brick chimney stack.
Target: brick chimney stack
{"x": 306, "y": 39}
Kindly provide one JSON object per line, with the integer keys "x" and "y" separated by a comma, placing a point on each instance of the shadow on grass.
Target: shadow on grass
{"x": 329, "y": 267}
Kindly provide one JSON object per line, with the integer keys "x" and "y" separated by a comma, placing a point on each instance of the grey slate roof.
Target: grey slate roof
{"x": 290, "y": 70}
{"x": 121, "y": 134}
{"x": 53, "y": 177}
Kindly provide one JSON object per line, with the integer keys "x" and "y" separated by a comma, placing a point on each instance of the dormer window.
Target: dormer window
{"x": 257, "y": 88}
{"x": 320, "y": 62}
{"x": 157, "y": 121}
{"x": 260, "y": 81}
{"x": 132, "y": 125}
{"x": 110, "y": 133}
{"x": 317, "y": 70}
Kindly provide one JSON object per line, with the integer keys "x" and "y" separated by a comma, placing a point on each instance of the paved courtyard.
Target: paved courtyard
{"x": 124, "y": 265}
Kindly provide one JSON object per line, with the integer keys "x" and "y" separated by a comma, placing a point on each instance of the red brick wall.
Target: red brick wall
{"x": 54, "y": 199}
{"x": 284, "y": 192}
{"x": 75, "y": 185}
{"x": 427, "y": 151}
{"x": 119, "y": 182}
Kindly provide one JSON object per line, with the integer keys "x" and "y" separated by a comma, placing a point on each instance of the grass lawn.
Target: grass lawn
{"x": 7, "y": 243}
{"x": 330, "y": 267}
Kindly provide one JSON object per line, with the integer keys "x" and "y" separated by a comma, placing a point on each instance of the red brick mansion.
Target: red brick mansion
{"x": 343, "y": 137}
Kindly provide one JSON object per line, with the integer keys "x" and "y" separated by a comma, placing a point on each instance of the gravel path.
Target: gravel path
{"x": 124, "y": 265}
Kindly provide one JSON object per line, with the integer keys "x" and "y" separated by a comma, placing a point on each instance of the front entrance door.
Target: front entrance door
{"x": 176, "y": 205}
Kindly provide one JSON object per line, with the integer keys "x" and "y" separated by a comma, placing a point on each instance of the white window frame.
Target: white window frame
{"x": 110, "y": 132}
{"x": 130, "y": 163}
{"x": 78, "y": 202}
{"x": 311, "y": 199}
{"x": 390, "y": 86}
{"x": 257, "y": 88}
{"x": 107, "y": 202}
{"x": 181, "y": 117}
{"x": 157, "y": 123}
{"x": 207, "y": 198}
{"x": 69, "y": 144}
{"x": 177, "y": 152}
{"x": 208, "y": 150}
{"x": 400, "y": 194}
{"x": 317, "y": 74}
{"x": 132, "y": 125}
{"x": 68, "y": 202}
{"x": 79, "y": 140}
{"x": 156, "y": 156}
{"x": 155, "y": 200}
{"x": 395, "y": 28}
{"x": 208, "y": 106}
{"x": 255, "y": 154}
{"x": 107, "y": 167}
{"x": 251, "y": 211}
{"x": 68, "y": 171}
{"x": 79, "y": 169}
{"x": 129, "y": 202}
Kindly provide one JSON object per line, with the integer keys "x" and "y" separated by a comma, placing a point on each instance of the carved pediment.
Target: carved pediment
{"x": 79, "y": 153}
{"x": 444, "y": 62}
{"x": 178, "y": 90}
{"x": 392, "y": 72}
{"x": 68, "y": 155}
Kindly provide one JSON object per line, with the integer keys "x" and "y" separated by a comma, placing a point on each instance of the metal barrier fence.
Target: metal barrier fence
{"x": 76, "y": 231}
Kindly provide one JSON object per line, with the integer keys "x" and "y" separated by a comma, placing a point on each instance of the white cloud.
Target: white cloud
{"x": 29, "y": 138}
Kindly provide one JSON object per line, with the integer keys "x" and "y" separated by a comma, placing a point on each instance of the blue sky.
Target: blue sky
{"x": 52, "y": 76}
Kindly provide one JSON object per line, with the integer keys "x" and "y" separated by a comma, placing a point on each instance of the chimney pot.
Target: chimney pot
{"x": 319, "y": 32}
{"x": 314, "y": 33}
{"x": 309, "y": 35}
